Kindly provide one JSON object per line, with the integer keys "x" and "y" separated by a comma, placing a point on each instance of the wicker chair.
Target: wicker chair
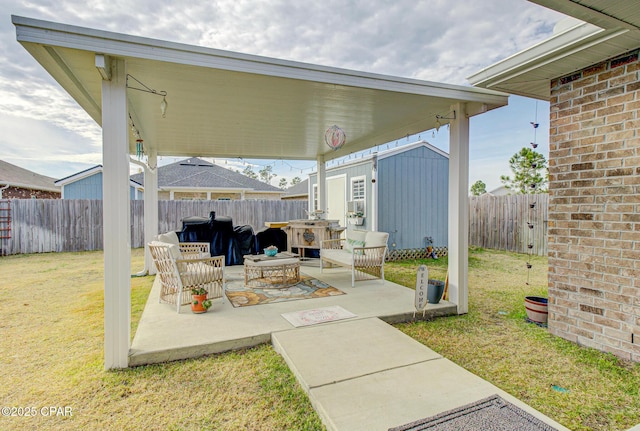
{"x": 180, "y": 272}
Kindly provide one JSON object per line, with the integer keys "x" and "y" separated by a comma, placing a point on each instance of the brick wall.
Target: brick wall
{"x": 21, "y": 193}
{"x": 594, "y": 207}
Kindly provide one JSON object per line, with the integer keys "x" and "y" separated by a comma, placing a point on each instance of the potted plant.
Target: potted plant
{"x": 199, "y": 301}
{"x": 356, "y": 218}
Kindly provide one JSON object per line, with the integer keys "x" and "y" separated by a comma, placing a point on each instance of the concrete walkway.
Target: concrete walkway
{"x": 366, "y": 375}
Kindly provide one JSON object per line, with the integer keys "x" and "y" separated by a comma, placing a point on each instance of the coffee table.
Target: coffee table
{"x": 279, "y": 271}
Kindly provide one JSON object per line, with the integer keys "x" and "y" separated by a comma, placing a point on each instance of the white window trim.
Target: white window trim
{"x": 353, "y": 180}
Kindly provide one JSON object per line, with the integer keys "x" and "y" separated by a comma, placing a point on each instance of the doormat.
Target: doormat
{"x": 317, "y": 315}
{"x": 489, "y": 414}
{"x": 308, "y": 288}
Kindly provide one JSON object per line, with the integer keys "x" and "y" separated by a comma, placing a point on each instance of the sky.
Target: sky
{"x": 44, "y": 130}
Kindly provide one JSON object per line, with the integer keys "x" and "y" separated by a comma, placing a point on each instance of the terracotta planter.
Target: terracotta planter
{"x": 196, "y": 303}
{"x": 537, "y": 309}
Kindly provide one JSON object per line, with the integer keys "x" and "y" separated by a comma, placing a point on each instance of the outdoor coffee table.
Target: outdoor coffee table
{"x": 279, "y": 271}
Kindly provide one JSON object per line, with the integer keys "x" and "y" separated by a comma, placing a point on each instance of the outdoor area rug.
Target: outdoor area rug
{"x": 317, "y": 315}
{"x": 489, "y": 414}
{"x": 308, "y": 288}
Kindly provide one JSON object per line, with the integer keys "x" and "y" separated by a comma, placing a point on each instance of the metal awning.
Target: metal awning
{"x": 227, "y": 104}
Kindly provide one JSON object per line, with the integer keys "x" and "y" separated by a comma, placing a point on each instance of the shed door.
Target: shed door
{"x": 337, "y": 199}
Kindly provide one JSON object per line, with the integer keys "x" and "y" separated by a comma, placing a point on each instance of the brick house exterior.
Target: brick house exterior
{"x": 589, "y": 71}
{"x": 594, "y": 206}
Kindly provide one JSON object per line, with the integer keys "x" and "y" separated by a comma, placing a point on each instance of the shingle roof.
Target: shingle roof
{"x": 195, "y": 172}
{"x": 300, "y": 189}
{"x": 17, "y": 176}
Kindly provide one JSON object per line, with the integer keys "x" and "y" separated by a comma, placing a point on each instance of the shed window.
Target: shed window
{"x": 357, "y": 189}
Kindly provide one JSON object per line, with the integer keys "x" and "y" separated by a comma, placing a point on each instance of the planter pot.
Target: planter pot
{"x": 435, "y": 291}
{"x": 196, "y": 303}
{"x": 537, "y": 309}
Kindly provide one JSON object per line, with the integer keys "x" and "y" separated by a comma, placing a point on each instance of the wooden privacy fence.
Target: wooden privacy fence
{"x": 510, "y": 222}
{"x": 46, "y": 225}
{"x": 41, "y": 225}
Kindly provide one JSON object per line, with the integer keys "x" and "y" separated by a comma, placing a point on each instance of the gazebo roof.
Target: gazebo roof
{"x": 227, "y": 104}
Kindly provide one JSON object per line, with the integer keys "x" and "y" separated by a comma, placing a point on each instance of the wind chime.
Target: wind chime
{"x": 532, "y": 205}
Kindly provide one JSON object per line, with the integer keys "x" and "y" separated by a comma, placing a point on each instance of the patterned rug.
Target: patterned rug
{"x": 308, "y": 288}
{"x": 490, "y": 414}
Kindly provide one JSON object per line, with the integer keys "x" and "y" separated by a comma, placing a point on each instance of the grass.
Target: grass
{"x": 52, "y": 355}
{"x": 581, "y": 388}
{"x": 51, "y": 348}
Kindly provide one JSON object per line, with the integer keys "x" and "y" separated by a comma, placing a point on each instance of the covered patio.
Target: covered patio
{"x": 225, "y": 104}
{"x": 164, "y": 335}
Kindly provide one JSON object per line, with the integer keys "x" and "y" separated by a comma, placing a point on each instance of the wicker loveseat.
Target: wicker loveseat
{"x": 363, "y": 252}
{"x": 185, "y": 266}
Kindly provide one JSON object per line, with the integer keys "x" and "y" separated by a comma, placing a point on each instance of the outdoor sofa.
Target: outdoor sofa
{"x": 363, "y": 252}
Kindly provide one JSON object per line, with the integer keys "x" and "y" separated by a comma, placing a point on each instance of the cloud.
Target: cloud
{"x": 438, "y": 40}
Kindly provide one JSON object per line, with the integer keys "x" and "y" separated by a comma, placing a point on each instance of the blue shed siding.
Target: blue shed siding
{"x": 91, "y": 188}
{"x": 413, "y": 198}
{"x": 85, "y": 188}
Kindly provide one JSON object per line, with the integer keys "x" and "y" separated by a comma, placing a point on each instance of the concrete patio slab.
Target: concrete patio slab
{"x": 164, "y": 335}
{"x": 390, "y": 389}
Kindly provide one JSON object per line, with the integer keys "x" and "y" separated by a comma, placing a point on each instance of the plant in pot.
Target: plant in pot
{"x": 199, "y": 301}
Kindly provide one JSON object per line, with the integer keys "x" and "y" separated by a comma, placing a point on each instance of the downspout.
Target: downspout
{"x": 145, "y": 270}
{"x": 374, "y": 193}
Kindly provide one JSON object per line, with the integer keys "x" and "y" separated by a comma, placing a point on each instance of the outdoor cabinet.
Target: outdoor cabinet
{"x": 304, "y": 234}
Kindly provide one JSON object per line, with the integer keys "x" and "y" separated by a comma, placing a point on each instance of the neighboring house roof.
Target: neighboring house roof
{"x": 499, "y": 191}
{"x": 197, "y": 173}
{"x": 612, "y": 28}
{"x": 87, "y": 173}
{"x": 299, "y": 190}
{"x": 16, "y": 176}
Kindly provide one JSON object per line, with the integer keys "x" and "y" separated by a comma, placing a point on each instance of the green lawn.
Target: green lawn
{"x": 579, "y": 387}
{"x": 51, "y": 350}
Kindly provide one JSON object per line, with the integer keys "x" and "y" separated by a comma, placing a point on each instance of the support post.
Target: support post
{"x": 116, "y": 216}
{"x": 322, "y": 184}
{"x": 459, "y": 208}
{"x": 150, "y": 208}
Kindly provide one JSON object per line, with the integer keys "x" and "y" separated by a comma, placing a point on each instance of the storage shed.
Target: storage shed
{"x": 403, "y": 191}
{"x": 87, "y": 184}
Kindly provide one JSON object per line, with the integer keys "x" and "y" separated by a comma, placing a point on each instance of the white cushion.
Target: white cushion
{"x": 376, "y": 239}
{"x": 169, "y": 237}
{"x": 175, "y": 251}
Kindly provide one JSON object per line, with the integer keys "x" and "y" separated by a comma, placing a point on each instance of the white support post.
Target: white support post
{"x": 459, "y": 209}
{"x": 116, "y": 218}
{"x": 322, "y": 184}
{"x": 150, "y": 208}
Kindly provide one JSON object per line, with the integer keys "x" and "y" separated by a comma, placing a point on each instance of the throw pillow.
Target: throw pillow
{"x": 349, "y": 244}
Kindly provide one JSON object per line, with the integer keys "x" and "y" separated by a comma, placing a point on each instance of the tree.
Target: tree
{"x": 266, "y": 174}
{"x": 530, "y": 173}
{"x": 283, "y": 183}
{"x": 478, "y": 188}
{"x": 248, "y": 171}
{"x": 295, "y": 180}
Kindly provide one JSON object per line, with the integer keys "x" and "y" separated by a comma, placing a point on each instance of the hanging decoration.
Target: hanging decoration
{"x": 335, "y": 137}
{"x": 532, "y": 206}
{"x": 139, "y": 148}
